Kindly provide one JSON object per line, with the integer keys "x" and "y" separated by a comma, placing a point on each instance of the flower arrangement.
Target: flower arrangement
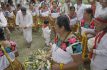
{"x": 38, "y": 61}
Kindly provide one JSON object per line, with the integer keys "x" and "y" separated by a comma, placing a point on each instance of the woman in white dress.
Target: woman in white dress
{"x": 66, "y": 49}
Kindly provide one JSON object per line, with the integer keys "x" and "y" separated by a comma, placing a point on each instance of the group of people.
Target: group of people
{"x": 66, "y": 49}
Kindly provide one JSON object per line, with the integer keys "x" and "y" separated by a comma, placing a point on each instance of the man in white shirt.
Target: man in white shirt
{"x": 24, "y": 21}
{"x": 101, "y": 7}
{"x": 3, "y": 21}
{"x": 79, "y": 9}
{"x": 65, "y": 7}
{"x": 99, "y": 56}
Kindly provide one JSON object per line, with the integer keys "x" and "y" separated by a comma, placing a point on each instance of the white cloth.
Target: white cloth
{"x": 73, "y": 21}
{"x": 79, "y": 9}
{"x": 46, "y": 34}
{"x": 54, "y": 15}
{"x": 44, "y": 14}
{"x": 9, "y": 14}
{"x": 99, "y": 62}
{"x": 99, "y": 10}
{"x": 4, "y": 63}
{"x": 47, "y": 41}
{"x": 27, "y": 33}
{"x": 65, "y": 8}
{"x": 61, "y": 56}
{"x": 27, "y": 21}
{"x": 3, "y": 21}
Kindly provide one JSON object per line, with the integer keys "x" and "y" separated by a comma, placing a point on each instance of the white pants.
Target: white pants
{"x": 47, "y": 41}
{"x": 27, "y": 33}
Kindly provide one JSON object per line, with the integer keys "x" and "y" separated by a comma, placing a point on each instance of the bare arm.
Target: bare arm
{"x": 77, "y": 60}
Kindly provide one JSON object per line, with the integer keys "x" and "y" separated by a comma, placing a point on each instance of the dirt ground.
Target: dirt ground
{"x": 38, "y": 42}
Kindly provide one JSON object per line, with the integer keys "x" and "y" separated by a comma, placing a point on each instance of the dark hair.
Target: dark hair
{"x": 89, "y": 11}
{"x": 63, "y": 20}
{"x": 23, "y": 9}
{"x": 19, "y": 5}
{"x": 7, "y": 5}
{"x": 2, "y": 37}
{"x": 71, "y": 7}
{"x": 10, "y": 2}
{"x": 46, "y": 22}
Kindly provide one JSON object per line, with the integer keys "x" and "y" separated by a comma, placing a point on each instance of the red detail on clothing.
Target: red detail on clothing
{"x": 101, "y": 20}
{"x": 91, "y": 23}
{"x": 97, "y": 40}
{"x": 56, "y": 39}
{"x": 82, "y": 22}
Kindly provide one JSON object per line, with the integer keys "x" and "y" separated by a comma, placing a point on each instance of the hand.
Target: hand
{"x": 56, "y": 67}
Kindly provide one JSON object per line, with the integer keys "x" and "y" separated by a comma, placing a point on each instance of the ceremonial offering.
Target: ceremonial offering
{"x": 39, "y": 60}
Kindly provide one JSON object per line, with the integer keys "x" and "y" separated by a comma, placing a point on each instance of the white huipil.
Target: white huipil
{"x": 3, "y": 21}
{"x": 25, "y": 21}
{"x": 99, "y": 62}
